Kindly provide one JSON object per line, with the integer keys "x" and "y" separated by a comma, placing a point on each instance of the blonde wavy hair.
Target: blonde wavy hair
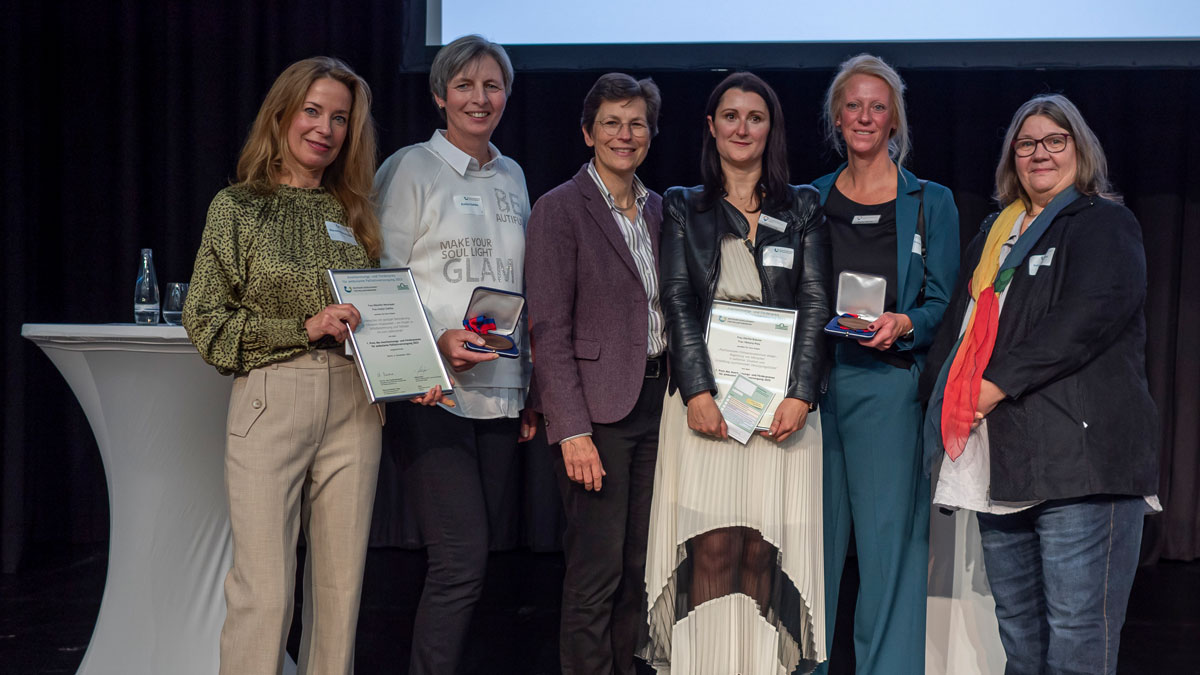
{"x": 899, "y": 143}
{"x": 351, "y": 177}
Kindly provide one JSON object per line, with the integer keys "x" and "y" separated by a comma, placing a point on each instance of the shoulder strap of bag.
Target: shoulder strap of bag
{"x": 921, "y": 235}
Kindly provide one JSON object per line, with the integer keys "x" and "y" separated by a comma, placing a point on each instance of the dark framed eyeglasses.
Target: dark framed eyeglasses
{"x": 1053, "y": 143}
{"x": 637, "y": 129}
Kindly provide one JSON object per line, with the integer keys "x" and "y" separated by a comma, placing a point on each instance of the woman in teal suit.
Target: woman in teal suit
{"x": 883, "y": 221}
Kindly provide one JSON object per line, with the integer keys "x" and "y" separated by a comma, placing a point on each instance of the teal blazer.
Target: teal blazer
{"x": 940, "y": 268}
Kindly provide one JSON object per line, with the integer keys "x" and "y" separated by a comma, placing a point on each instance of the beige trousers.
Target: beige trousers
{"x": 302, "y": 449}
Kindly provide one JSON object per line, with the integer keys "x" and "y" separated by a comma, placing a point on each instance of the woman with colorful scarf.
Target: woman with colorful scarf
{"x": 884, "y": 221}
{"x": 1040, "y": 415}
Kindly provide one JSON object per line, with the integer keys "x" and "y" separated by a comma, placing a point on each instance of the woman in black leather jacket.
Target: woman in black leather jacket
{"x": 748, "y": 572}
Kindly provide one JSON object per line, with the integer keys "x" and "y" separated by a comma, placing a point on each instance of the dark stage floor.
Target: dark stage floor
{"x": 47, "y": 612}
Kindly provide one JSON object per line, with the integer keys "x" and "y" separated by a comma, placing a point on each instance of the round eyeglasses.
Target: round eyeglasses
{"x": 1054, "y": 143}
{"x": 637, "y": 129}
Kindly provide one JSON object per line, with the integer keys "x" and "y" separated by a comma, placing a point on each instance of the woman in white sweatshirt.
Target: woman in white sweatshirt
{"x": 453, "y": 209}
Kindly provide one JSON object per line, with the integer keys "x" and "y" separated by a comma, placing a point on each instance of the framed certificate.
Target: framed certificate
{"x": 755, "y": 342}
{"x": 394, "y": 346}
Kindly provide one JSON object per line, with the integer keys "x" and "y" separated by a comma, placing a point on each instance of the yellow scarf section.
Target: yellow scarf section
{"x": 989, "y": 262}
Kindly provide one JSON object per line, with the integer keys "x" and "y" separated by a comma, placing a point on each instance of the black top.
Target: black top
{"x": 864, "y": 240}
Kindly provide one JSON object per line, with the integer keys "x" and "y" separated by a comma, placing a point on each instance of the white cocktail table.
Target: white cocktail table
{"x": 158, "y": 414}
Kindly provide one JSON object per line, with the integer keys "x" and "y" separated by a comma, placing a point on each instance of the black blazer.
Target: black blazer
{"x": 1070, "y": 355}
{"x": 688, "y": 272}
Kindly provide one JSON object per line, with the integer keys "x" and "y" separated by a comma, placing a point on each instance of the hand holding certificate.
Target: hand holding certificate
{"x": 396, "y": 353}
{"x": 755, "y": 342}
{"x": 743, "y": 407}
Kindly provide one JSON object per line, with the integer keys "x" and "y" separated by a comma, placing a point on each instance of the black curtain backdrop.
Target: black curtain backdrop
{"x": 123, "y": 119}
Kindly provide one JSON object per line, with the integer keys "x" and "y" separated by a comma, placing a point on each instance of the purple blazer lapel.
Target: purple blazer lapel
{"x": 597, "y": 207}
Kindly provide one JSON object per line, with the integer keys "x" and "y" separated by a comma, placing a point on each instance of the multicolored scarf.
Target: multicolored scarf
{"x": 961, "y": 395}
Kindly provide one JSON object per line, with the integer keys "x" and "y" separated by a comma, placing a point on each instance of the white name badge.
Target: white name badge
{"x": 471, "y": 205}
{"x": 1043, "y": 260}
{"x": 778, "y": 256}
{"x": 340, "y": 232}
{"x": 917, "y": 244}
{"x": 773, "y": 223}
{"x": 866, "y": 220}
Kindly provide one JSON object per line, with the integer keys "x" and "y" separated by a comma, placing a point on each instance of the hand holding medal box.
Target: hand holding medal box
{"x": 494, "y": 315}
{"x": 860, "y": 300}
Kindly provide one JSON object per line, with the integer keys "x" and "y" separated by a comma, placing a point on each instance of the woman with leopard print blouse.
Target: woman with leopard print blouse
{"x": 302, "y": 442}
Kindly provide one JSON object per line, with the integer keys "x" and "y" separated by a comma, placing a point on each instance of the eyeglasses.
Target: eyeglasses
{"x": 613, "y": 127}
{"x": 1055, "y": 143}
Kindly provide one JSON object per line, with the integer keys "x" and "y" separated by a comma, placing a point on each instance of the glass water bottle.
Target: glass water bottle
{"x": 145, "y": 293}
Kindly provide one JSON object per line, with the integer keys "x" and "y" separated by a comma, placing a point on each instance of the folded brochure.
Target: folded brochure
{"x": 743, "y": 407}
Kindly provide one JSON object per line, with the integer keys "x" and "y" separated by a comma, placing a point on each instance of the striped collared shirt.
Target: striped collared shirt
{"x": 637, "y": 238}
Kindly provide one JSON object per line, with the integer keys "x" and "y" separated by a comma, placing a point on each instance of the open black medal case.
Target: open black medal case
{"x": 495, "y": 315}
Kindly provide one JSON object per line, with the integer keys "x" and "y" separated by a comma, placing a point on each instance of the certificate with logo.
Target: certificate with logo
{"x": 754, "y": 342}
{"x": 393, "y": 345}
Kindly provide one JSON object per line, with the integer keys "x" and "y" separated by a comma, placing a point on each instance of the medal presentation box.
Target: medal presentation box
{"x": 504, "y": 309}
{"x": 860, "y": 300}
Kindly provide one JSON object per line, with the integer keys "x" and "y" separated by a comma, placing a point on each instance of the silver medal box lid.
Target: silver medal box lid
{"x": 861, "y": 294}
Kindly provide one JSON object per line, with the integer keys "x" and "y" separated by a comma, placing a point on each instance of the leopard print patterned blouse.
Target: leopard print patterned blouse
{"x": 260, "y": 273}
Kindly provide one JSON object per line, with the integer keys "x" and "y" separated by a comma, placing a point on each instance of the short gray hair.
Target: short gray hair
{"x": 452, "y": 58}
{"x": 899, "y": 143}
{"x": 1091, "y": 167}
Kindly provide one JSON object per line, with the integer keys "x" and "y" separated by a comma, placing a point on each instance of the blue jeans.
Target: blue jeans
{"x": 1060, "y": 573}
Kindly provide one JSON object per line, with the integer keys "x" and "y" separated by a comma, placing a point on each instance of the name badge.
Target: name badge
{"x": 340, "y": 233}
{"x": 471, "y": 205}
{"x": 773, "y": 223}
{"x": 778, "y": 256}
{"x": 866, "y": 220}
{"x": 917, "y": 244}
{"x": 1043, "y": 260}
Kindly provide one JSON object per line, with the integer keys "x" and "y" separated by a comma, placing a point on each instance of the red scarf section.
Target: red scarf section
{"x": 966, "y": 374}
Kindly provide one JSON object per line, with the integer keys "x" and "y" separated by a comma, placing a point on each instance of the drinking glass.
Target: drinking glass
{"x": 173, "y": 304}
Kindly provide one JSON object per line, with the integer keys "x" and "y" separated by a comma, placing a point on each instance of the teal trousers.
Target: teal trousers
{"x": 874, "y": 481}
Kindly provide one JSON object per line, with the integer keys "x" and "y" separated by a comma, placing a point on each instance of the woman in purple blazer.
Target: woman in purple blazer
{"x": 599, "y": 368}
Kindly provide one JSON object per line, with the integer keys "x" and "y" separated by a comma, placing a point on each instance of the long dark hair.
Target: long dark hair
{"x": 773, "y": 185}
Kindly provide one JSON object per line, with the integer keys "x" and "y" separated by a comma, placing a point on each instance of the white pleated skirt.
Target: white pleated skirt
{"x": 703, "y": 484}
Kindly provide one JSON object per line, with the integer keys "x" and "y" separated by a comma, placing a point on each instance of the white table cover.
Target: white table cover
{"x": 158, "y": 414}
